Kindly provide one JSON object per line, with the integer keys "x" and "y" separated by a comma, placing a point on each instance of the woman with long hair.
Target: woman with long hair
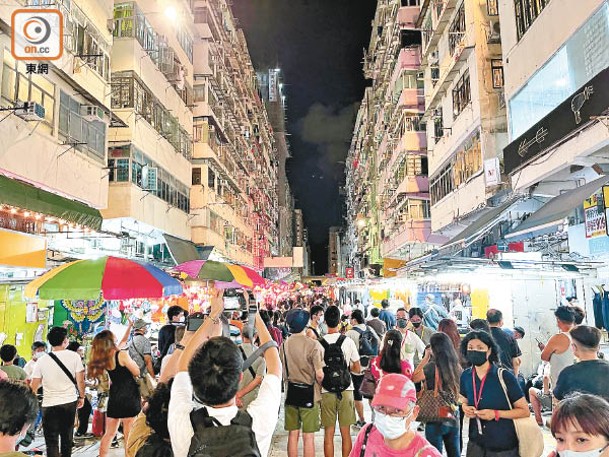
{"x": 124, "y": 397}
{"x": 441, "y": 363}
{"x": 449, "y": 327}
{"x": 389, "y": 360}
{"x": 485, "y": 402}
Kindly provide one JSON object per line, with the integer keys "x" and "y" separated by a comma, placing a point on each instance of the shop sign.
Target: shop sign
{"x": 272, "y": 85}
{"x": 595, "y": 220}
{"x": 572, "y": 115}
{"x": 349, "y": 273}
{"x": 492, "y": 172}
{"x": 606, "y": 199}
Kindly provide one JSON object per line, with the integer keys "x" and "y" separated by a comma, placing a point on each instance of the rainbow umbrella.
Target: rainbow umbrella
{"x": 210, "y": 270}
{"x": 112, "y": 277}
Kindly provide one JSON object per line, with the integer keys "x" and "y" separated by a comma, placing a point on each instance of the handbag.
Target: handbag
{"x": 299, "y": 395}
{"x": 146, "y": 385}
{"x": 368, "y": 387}
{"x": 436, "y": 405}
{"x": 530, "y": 438}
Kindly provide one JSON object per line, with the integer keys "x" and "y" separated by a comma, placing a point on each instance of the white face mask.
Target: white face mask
{"x": 321, "y": 319}
{"x": 389, "y": 426}
{"x": 37, "y": 355}
{"x": 592, "y": 453}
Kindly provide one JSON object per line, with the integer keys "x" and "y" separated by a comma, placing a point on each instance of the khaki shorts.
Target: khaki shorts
{"x": 333, "y": 408}
{"x": 305, "y": 418}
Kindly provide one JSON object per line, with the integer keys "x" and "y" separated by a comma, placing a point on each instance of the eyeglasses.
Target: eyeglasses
{"x": 393, "y": 412}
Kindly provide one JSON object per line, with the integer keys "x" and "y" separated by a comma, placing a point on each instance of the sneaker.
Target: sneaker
{"x": 115, "y": 444}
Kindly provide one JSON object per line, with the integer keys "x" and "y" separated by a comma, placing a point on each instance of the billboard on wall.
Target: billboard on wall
{"x": 273, "y": 86}
{"x": 594, "y": 215}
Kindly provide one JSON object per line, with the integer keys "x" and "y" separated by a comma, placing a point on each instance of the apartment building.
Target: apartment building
{"x": 149, "y": 158}
{"x": 465, "y": 113}
{"x": 53, "y": 134}
{"x": 389, "y": 216}
{"x": 556, "y": 93}
{"x": 234, "y": 205}
{"x": 335, "y": 267}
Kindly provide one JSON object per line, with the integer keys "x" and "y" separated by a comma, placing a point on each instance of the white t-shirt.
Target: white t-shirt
{"x": 411, "y": 343}
{"x": 264, "y": 411}
{"x": 57, "y": 387}
{"x": 349, "y": 349}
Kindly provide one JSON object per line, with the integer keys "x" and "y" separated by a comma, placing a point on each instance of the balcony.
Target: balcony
{"x": 413, "y": 141}
{"x": 407, "y": 16}
{"x": 412, "y": 99}
{"x": 407, "y": 240}
{"x": 440, "y": 14}
{"x": 413, "y": 185}
{"x": 126, "y": 200}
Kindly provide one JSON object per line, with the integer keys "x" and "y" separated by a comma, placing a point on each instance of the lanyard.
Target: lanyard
{"x": 478, "y": 395}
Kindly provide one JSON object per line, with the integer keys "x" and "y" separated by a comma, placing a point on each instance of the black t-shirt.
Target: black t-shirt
{"x": 496, "y": 435}
{"x": 166, "y": 338}
{"x": 508, "y": 347}
{"x": 590, "y": 376}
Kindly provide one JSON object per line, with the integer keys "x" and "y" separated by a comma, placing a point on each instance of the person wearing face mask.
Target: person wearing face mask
{"x": 316, "y": 328}
{"x": 411, "y": 343}
{"x": 18, "y": 410}
{"x": 422, "y": 331}
{"x": 581, "y": 427}
{"x": 391, "y": 433}
{"x": 491, "y": 426}
{"x": 39, "y": 349}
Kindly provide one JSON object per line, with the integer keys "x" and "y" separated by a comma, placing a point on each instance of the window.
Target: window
{"x": 456, "y": 33}
{"x": 409, "y": 2}
{"x": 466, "y": 163}
{"x": 438, "y": 124}
{"x": 497, "y": 73}
{"x": 119, "y": 170}
{"x": 196, "y": 176}
{"x": 526, "y": 13}
{"x": 211, "y": 178}
{"x": 76, "y": 129}
{"x": 415, "y": 209}
{"x": 492, "y": 7}
{"x": 19, "y": 87}
{"x": 461, "y": 94}
{"x": 93, "y": 53}
{"x": 185, "y": 41}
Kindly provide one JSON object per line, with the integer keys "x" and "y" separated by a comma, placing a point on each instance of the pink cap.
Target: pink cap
{"x": 395, "y": 390}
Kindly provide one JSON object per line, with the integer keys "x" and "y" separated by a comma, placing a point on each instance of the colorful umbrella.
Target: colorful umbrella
{"x": 112, "y": 277}
{"x": 211, "y": 270}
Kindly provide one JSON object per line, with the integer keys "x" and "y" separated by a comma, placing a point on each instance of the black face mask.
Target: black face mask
{"x": 416, "y": 324}
{"x": 477, "y": 358}
{"x": 402, "y": 323}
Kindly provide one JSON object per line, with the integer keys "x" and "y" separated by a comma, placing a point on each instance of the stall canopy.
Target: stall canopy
{"x": 181, "y": 250}
{"x": 553, "y": 213}
{"x": 22, "y": 195}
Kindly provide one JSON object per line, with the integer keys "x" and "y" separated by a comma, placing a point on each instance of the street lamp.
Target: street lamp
{"x": 171, "y": 13}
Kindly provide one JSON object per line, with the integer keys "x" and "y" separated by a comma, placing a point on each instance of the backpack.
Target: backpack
{"x": 276, "y": 334}
{"x": 337, "y": 377}
{"x": 212, "y": 439}
{"x": 368, "y": 343}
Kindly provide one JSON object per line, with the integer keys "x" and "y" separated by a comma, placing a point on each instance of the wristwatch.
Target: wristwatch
{"x": 180, "y": 346}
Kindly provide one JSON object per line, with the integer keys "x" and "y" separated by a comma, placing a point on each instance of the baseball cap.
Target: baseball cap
{"x": 395, "y": 390}
{"x": 519, "y": 330}
{"x": 297, "y": 320}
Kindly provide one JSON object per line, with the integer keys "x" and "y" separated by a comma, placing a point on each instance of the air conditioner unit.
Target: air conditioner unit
{"x": 31, "y": 111}
{"x": 92, "y": 113}
{"x": 494, "y": 33}
{"x": 433, "y": 58}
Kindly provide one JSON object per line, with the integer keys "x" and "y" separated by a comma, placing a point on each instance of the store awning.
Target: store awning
{"x": 22, "y": 250}
{"x": 205, "y": 251}
{"x": 547, "y": 218}
{"x": 481, "y": 226}
{"x": 22, "y": 195}
{"x": 181, "y": 250}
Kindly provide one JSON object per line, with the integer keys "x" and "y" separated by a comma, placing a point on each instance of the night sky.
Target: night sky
{"x": 318, "y": 44}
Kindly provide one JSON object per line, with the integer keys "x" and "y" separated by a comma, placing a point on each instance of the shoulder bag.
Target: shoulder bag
{"x": 436, "y": 405}
{"x": 299, "y": 395}
{"x": 530, "y": 438}
{"x": 65, "y": 370}
{"x": 145, "y": 382}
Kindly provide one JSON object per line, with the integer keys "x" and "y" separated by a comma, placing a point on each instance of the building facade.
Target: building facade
{"x": 461, "y": 58}
{"x": 234, "y": 204}
{"x": 389, "y": 215}
{"x": 335, "y": 267}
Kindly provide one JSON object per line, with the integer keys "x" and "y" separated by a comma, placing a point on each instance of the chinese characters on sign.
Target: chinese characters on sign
{"x": 40, "y": 69}
{"x": 596, "y": 222}
{"x": 272, "y": 85}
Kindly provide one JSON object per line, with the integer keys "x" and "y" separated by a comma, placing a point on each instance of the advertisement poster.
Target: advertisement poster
{"x": 596, "y": 222}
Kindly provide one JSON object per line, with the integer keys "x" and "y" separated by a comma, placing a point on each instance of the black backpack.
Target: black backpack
{"x": 337, "y": 377}
{"x": 368, "y": 343}
{"x": 212, "y": 439}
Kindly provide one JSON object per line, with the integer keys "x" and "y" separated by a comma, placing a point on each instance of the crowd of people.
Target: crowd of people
{"x": 220, "y": 392}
